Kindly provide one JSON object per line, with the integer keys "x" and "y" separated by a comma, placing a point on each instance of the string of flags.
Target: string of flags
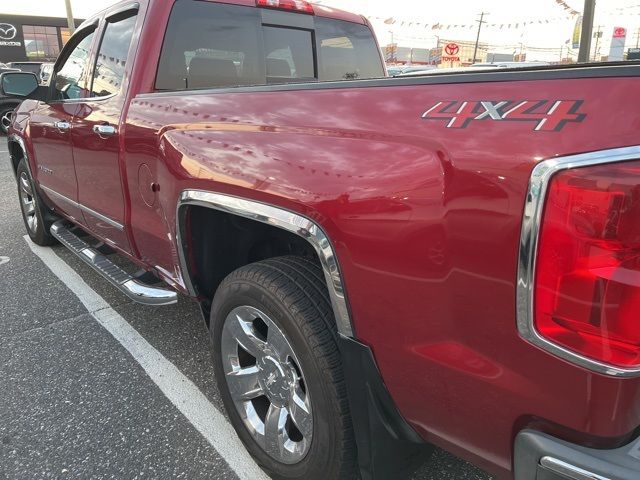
{"x": 504, "y": 25}
{"x": 441, "y": 26}
{"x": 568, "y": 8}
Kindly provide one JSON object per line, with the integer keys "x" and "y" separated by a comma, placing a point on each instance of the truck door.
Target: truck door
{"x": 97, "y": 131}
{"x": 51, "y": 124}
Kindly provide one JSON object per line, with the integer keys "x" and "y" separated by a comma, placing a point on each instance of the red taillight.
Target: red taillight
{"x": 587, "y": 289}
{"x": 292, "y": 5}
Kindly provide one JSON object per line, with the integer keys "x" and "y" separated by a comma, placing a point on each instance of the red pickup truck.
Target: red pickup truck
{"x": 384, "y": 264}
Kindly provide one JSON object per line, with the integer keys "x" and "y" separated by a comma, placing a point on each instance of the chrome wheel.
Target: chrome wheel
{"x": 5, "y": 120}
{"x": 28, "y": 203}
{"x": 267, "y": 384}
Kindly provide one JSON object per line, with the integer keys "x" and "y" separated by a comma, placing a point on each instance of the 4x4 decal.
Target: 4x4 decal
{"x": 549, "y": 115}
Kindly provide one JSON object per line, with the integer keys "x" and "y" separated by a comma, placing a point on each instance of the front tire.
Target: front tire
{"x": 37, "y": 217}
{"x": 279, "y": 370}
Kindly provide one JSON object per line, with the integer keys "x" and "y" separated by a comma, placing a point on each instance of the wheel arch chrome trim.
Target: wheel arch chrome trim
{"x": 277, "y": 217}
{"x": 531, "y": 224}
{"x": 571, "y": 471}
{"x": 13, "y": 138}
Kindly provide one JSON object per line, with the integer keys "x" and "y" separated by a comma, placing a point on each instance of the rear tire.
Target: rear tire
{"x": 284, "y": 305}
{"x": 36, "y": 215}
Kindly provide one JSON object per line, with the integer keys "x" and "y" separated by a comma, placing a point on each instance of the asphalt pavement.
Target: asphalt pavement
{"x": 95, "y": 386}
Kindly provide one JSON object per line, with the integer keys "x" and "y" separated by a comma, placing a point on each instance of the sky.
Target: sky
{"x": 528, "y": 20}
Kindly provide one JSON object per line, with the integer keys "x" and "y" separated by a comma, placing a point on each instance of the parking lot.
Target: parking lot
{"x": 94, "y": 386}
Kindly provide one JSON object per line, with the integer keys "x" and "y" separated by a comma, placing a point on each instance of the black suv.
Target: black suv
{"x": 7, "y": 105}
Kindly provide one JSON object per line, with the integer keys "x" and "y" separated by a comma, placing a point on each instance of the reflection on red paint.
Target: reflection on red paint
{"x": 456, "y": 355}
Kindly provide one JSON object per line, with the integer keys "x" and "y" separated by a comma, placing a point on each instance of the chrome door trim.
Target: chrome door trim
{"x": 277, "y": 217}
{"x": 84, "y": 208}
{"x": 531, "y": 223}
{"x": 20, "y": 141}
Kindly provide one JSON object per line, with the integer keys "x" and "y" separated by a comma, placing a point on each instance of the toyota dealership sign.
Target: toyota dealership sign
{"x": 616, "y": 51}
{"x": 451, "y": 53}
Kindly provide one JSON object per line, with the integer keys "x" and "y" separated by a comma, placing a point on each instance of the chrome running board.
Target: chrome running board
{"x": 133, "y": 288}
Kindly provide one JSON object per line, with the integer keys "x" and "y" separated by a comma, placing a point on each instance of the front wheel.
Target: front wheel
{"x": 280, "y": 372}
{"x": 37, "y": 217}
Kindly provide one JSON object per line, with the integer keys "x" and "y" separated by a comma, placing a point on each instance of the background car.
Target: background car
{"x": 45, "y": 73}
{"x": 476, "y": 67}
{"x": 6, "y": 109}
{"x": 7, "y": 105}
{"x": 33, "y": 67}
{"x": 395, "y": 71}
{"x": 4, "y": 68}
{"x": 509, "y": 65}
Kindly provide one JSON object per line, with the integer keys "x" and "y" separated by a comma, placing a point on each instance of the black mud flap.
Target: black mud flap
{"x": 388, "y": 448}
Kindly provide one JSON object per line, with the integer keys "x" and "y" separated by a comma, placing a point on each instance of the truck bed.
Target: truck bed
{"x": 424, "y": 211}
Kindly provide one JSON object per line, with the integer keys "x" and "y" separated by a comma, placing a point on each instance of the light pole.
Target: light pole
{"x": 587, "y": 31}
{"x": 480, "y": 22}
{"x": 70, "y": 22}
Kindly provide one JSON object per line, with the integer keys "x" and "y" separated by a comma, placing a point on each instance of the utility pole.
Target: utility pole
{"x": 480, "y": 22}
{"x": 598, "y": 36}
{"x": 70, "y": 22}
{"x": 638, "y": 38}
{"x": 587, "y": 31}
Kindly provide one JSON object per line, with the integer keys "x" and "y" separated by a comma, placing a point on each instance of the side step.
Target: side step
{"x": 126, "y": 283}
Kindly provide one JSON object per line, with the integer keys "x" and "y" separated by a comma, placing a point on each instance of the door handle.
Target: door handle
{"x": 104, "y": 130}
{"x": 62, "y": 126}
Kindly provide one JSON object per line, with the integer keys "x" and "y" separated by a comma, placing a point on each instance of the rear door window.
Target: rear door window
{"x": 211, "y": 45}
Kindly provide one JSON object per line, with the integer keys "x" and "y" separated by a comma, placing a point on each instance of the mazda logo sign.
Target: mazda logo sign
{"x": 7, "y": 31}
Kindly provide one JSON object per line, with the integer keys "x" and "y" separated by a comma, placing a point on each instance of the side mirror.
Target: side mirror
{"x": 18, "y": 84}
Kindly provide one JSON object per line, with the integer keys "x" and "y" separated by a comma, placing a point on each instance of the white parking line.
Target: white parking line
{"x": 181, "y": 391}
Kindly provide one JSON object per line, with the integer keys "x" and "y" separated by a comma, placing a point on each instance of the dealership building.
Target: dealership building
{"x": 35, "y": 39}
